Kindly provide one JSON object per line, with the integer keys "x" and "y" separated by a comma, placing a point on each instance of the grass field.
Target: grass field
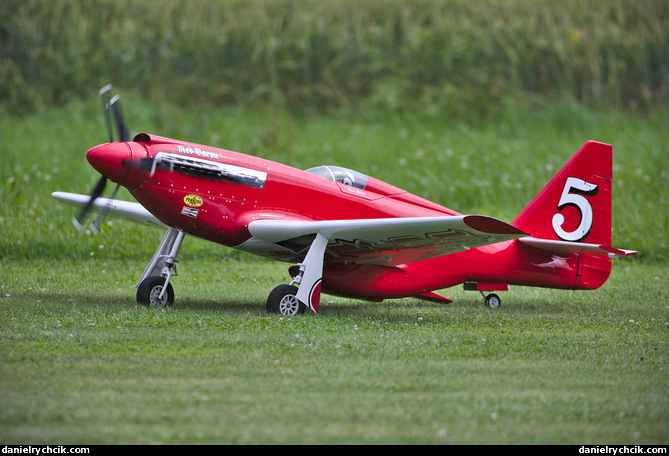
{"x": 81, "y": 363}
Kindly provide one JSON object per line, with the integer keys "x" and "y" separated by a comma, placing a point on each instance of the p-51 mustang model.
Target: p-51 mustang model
{"x": 348, "y": 234}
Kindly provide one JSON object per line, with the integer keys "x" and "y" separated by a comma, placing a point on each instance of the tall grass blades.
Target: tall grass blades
{"x": 463, "y": 56}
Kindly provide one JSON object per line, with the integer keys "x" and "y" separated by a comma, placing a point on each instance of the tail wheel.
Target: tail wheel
{"x": 493, "y": 301}
{"x": 149, "y": 291}
{"x": 282, "y": 300}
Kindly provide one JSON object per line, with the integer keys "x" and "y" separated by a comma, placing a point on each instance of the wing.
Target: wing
{"x": 134, "y": 212}
{"x": 389, "y": 241}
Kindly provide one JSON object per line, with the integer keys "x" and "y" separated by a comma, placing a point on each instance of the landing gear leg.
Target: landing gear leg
{"x": 290, "y": 300}
{"x": 154, "y": 288}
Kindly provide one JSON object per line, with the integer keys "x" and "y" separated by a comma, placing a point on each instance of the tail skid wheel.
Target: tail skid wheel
{"x": 282, "y": 300}
{"x": 493, "y": 301}
{"x": 149, "y": 291}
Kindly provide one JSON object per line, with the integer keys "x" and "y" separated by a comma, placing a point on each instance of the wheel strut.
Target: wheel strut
{"x": 162, "y": 267}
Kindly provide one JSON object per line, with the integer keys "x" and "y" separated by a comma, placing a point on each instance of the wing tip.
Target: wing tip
{"x": 492, "y": 225}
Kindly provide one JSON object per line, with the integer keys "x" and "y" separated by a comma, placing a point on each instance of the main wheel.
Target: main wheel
{"x": 493, "y": 301}
{"x": 148, "y": 292}
{"x": 282, "y": 300}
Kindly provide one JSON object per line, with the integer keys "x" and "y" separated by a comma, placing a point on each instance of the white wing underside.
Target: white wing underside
{"x": 126, "y": 210}
{"x": 387, "y": 241}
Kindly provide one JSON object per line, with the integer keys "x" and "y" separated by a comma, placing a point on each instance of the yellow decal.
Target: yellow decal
{"x": 193, "y": 200}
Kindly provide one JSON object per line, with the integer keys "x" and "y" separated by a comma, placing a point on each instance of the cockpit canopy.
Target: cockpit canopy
{"x": 358, "y": 185}
{"x": 341, "y": 175}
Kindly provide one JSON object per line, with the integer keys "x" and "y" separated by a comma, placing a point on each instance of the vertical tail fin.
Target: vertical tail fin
{"x": 575, "y": 205}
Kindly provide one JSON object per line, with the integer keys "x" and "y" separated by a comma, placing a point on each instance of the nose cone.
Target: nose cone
{"x": 117, "y": 162}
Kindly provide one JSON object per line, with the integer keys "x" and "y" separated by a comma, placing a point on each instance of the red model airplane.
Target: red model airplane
{"x": 347, "y": 233}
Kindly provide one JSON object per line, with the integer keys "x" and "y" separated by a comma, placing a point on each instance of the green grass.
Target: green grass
{"x": 81, "y": 363}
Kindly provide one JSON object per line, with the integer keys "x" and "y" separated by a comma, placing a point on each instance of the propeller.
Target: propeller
{"x": 113, "y": 115}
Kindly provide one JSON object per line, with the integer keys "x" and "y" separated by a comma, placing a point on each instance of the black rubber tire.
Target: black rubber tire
{"x": 149, "y": 290}
{"x": 282, "y": 301}
{"x": 493, "y": 301}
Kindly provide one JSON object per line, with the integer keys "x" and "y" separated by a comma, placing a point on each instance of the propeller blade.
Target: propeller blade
{"x": 123, "y": 132}
{"x": 113, "y": 115}
{"x": 97, "y": 191}
{"x": 105, "y": 95}
{"x": 95, "y": 227}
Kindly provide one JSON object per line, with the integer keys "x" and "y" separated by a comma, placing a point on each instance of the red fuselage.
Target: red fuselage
{"x": 220, "y": 210}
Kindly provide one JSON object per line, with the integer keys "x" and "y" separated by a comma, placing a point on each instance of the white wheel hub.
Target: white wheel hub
{"x": 289, "y": 305}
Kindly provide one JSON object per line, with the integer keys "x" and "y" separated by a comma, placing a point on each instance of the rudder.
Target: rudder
{"x": 575, "y": 205}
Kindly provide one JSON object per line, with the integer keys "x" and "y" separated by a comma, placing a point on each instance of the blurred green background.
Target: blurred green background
{"x": 462, "y": 57}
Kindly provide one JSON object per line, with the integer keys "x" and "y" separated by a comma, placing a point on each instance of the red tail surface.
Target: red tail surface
{"x": 575, "y": 206}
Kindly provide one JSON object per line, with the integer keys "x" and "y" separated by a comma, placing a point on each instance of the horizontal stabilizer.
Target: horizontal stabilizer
{"x": 569, "y": 248}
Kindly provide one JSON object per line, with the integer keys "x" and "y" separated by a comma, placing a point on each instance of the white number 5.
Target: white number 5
{"x": 574, "y": 194}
